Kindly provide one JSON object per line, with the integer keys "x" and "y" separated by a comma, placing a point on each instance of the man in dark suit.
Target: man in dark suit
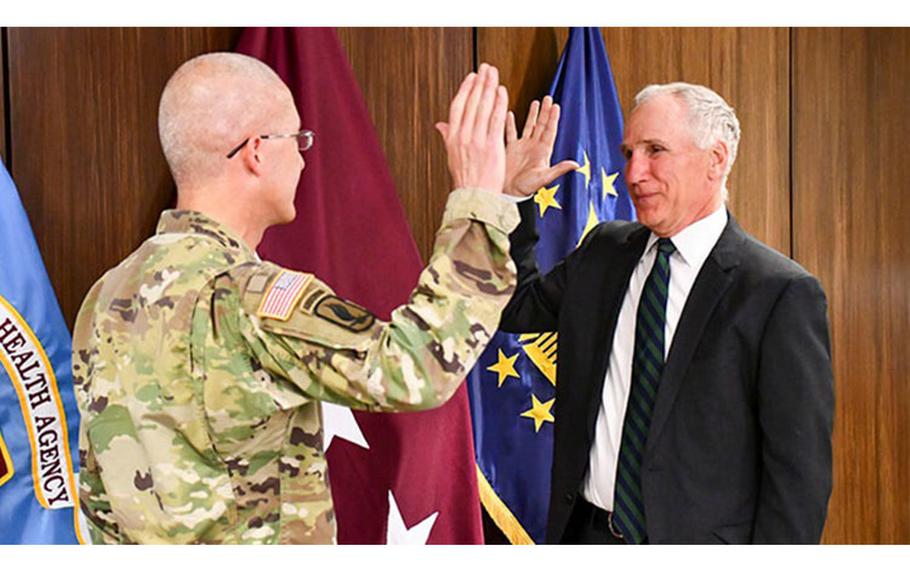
{"x": 694, "y": 396}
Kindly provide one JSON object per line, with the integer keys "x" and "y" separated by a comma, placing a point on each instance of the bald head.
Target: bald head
{"x": 209, "y": 105}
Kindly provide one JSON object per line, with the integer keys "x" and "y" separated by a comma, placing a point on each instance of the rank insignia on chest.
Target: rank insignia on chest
{"x": 345, "y": 314}
{"x": 282, "y": 295}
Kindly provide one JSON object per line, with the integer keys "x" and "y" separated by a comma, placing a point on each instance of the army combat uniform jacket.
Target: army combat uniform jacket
{"x": 197, "y": 368}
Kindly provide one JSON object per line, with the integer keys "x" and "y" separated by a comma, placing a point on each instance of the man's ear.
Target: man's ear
{"x": 719, "y": 156}
{"x": 252, "y": 157}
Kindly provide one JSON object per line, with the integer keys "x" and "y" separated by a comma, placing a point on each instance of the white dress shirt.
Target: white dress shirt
{"x": 693, "y": 245}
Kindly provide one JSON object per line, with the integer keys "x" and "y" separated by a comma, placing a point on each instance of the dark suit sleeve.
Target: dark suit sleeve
{"x": 796, "y": 412}
{"x": 535, "y": 305}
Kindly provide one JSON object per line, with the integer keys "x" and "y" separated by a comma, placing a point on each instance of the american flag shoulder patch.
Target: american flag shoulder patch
{"x": 282, "y": 294}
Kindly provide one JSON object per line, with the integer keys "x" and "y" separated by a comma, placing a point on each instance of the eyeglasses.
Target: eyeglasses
{"x": 304, "y": 138}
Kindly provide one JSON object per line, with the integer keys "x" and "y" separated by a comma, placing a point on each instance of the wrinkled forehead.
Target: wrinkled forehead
{"x": 662, "y": 117}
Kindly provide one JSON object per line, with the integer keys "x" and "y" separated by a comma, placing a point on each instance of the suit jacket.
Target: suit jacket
{"x": 740, "y": 443}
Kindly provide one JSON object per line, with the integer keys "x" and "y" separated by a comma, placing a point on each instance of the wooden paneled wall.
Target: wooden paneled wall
{"x": 823, "y": 108}
{"x": 3, "y": 91}
{"x": 84, "y": 140}
{"x": 851, "y": 227}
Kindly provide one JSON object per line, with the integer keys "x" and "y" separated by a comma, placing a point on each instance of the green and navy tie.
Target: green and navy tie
{"x": 647, "y": 366}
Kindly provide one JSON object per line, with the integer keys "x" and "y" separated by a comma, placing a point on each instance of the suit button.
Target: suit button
{"x": 570, "y": 497}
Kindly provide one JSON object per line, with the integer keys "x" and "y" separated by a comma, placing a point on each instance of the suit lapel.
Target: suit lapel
{"x": 712, "y": 281}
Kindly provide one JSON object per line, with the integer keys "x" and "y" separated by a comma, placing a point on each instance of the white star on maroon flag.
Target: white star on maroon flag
{"x": 399, "y": 533}
{"x": 339, "y": 421}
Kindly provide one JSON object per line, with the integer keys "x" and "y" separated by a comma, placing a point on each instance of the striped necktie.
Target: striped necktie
{"x": 647, "y": 366}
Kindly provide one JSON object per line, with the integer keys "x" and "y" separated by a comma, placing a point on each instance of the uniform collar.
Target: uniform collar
{"x": 182, "y": 221}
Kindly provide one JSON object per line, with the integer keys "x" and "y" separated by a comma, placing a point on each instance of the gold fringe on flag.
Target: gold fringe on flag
{"x": 500, "y": 513}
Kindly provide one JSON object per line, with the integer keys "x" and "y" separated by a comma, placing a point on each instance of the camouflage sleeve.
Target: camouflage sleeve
{"x": 331, "y": 349}
{"x": 93, "y": 501}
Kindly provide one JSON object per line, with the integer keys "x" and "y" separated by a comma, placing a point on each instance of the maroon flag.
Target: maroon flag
{"x": 408, "y": 471}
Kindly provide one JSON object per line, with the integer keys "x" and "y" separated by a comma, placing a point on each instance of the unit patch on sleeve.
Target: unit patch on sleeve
{"x": 345, "y": 314}
{"x": 311, "y": 299}
{"x": 283, "y": 294}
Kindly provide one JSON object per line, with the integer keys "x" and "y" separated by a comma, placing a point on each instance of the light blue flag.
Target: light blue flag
{"x": 512, "y": 388}
{"x": 39, "y": 421}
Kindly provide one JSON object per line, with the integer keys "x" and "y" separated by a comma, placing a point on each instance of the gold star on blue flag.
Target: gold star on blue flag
{"x": 514, "y": 419}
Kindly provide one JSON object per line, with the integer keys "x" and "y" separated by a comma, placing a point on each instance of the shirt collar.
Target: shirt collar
{"x": 695, "y": 242}
{"x": 193, "y": 222}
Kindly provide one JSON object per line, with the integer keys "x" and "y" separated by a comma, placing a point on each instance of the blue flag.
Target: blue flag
{"x": 512, "y": 388}
{"x": 38, "y": 417}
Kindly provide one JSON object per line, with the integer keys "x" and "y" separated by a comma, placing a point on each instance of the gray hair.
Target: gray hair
{"x": 710, "y": 117}
{"x": 207, "y": 106}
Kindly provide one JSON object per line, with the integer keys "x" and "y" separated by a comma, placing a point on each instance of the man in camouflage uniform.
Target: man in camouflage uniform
{"x": 198, "y": 367}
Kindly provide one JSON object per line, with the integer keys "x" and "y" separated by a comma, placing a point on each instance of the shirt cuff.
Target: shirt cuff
{"x": 516, "y": 198}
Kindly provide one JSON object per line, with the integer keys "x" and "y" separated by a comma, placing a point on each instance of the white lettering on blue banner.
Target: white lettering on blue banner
{"x": 33, "y": 377}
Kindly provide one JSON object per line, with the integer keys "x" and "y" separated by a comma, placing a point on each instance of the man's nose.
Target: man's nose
{"x": 635, "y": 168}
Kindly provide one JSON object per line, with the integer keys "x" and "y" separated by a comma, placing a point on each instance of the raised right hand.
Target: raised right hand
{"x": 475, "y": 133}
{"x": 528, "y": 158}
